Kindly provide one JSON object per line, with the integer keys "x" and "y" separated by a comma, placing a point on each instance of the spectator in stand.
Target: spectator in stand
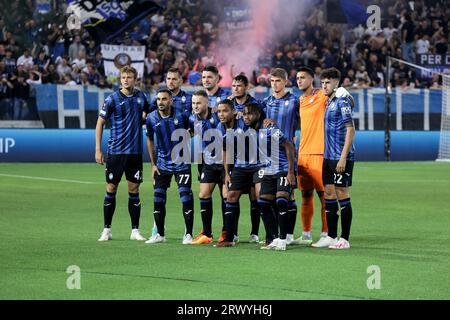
{"x": 75, "y": 47}
{"x": 407, "y": 38}
{"x": 26, "y": 59}
{"x": 42, "y": 61}
{"x": 10, "y": 63}
{"x": 6, "y": 98}
{"x": 91, "y": 51}
{"x": 422, "y": 43}
{"x": 21, "y": 95}
{"x": 68, "y": 81}
{"x": 63, "y": 68}
{"x": 80, "y": 60}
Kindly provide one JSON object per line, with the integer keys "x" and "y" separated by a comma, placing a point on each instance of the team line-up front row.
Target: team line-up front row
{"x": 324, "y": 162}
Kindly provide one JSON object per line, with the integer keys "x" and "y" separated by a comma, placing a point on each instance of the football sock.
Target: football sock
{"x": 187, "y": 199}
{"x": 206, "y": 212}
{"x": 292, "y": 215}
{"x": 224, "y": 208}
{"x": 283, "y": 218}
{"x": 134, "y": 209}
{"x": 323, "y": 214}
{"x": 346, "y": 217}
{"x": 230, "y": 211}
{"x": 255, "y": 217}
{"x": 307, "y": 210}
{"x": 332, "y": 208}
{"x": 237, "y": 214}
{"x": 159, "y": 213}
{"x": 109, "y": 205}
{"x": 265, "y": 206}
{"x": 275, "y": 217}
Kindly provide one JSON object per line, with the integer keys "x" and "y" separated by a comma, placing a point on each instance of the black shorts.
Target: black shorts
{"x": 182, "y": 178}
{"x": 243, "y": 179}
{"x": 330, "y": 176}
{"x": 271, "y": 184}
{"x": 211, "y": 173}
{"x": 117, "y": 164}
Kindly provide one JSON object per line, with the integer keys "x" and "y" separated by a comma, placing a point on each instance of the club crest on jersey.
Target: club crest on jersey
{"x": 311, "y": 101}
{"x": 139, "y": 101}
{"x": 212, "y": 121}
{"x": 218, "y": 99}
{"x": 175, "y": 121}
{"x": 110, "y": 176}
{"x": 183, "y": 99}
{"x": 286, "y": 103}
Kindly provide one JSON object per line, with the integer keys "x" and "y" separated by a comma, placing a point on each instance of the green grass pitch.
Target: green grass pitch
{"x": 401, "y": 224}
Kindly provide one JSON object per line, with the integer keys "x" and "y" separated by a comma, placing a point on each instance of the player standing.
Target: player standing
{"x": 211, "y": 169}
{"x": 161, "y": 124}
{"x": 126, "y": 109}
{"x": 240, "y": 95}
{"x": 210, "y": 81}
{"x": 182, "y": 101}
{"x": 277, "y": 183}
{"x": 242, "y": 178}
{"x": 240, "y": 98}
{"x": 310, "y": 156}
{"x": 339, "y": 157}
{"x": 282, "y": 109}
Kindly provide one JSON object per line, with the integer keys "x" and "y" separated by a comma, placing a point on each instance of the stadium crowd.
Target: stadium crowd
{"x": 37, "y": 48}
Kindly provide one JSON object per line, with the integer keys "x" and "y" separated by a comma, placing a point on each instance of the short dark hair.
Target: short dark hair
{"x": 201, "y": 93}
{"x": 252, "y": 108}
{"x": 241, "y": 78}
{"x": 331, "y": 73}
{"x": 174, "y": 70}
{"x": 165, "y": 91}
{"x": 212, "y": 69}
{"x": 228, "y": 102}
{"x": 307, "y": 70}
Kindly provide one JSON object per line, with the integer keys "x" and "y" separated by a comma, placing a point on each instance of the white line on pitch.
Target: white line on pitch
{"x": 46, "y": 179}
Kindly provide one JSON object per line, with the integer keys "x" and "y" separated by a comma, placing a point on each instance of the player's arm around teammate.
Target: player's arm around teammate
{"x": 338, "y": 162}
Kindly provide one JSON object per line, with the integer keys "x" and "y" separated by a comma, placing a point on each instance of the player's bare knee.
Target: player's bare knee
{"x": 233, "y": 196}
{"x": 133, "y": 187}
{"x": 330, "y": 192}
{"x": 283, "y": 195}
{"x": 267, "y": 197}
{"x": 342, "y": 193}
{"x": 112, "y": 188}
{"x": 204, "y": 193}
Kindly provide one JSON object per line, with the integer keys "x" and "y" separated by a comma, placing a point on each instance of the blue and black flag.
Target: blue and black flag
{"x": 352, "y": 12}
{"x": 106, "y": 20}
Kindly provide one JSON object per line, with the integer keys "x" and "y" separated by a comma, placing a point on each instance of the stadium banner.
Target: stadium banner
{"x": 115, "y": 57}
{"x": 414, "y": 109}
{"x": 238, "y": 18}
{"x": 106, "y": 20}
{"x": 349, "y": 12}
{"x": 435, "y": 62}
{"x": 76, "y": 145}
